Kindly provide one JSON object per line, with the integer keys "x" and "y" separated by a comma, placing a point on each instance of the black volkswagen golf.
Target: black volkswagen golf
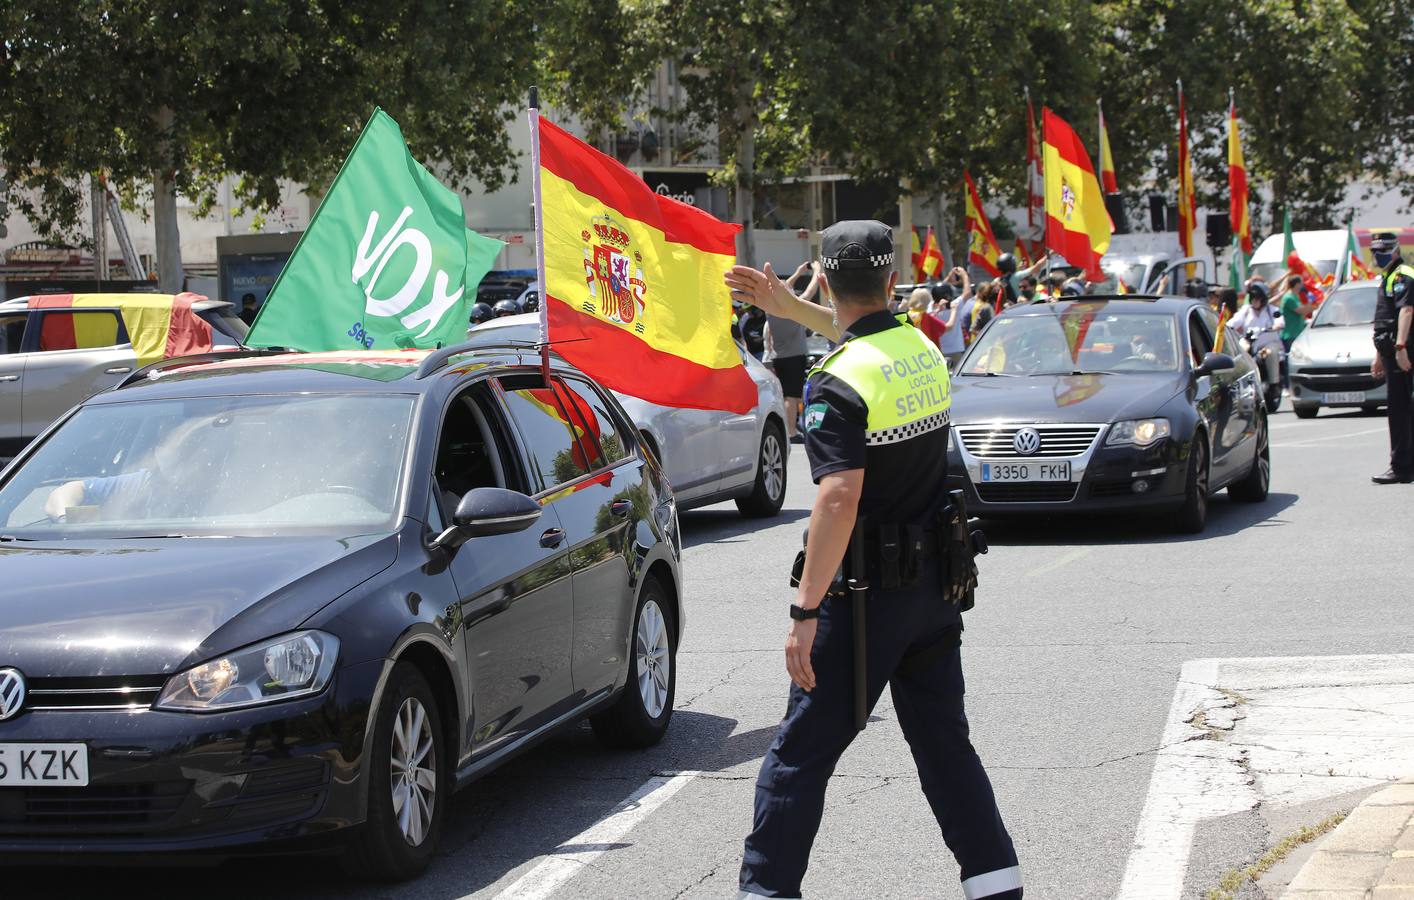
{"x": 293, "y": 601}
{"x": 1108, "y": 404}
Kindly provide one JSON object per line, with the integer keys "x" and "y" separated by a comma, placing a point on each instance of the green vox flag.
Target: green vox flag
{"x": 386, "y": 262}
{"x": 1237, "y": 268}
{"x": 1288, "y": 243}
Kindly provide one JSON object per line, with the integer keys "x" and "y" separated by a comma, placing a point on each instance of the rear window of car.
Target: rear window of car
{"x": 12, "y": 333}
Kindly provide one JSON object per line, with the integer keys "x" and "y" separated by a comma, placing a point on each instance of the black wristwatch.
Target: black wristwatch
{"x": 800, "y": 613}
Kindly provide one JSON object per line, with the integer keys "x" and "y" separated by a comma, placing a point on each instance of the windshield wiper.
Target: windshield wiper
{"x": 1092, "y": 372}
{"x": 149, "y": 537}
{"x": 993, "y": 374}
{"x": 6, "y": 538}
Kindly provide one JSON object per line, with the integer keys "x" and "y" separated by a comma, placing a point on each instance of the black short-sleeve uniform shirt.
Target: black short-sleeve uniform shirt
{"x": 1389, "y": 303}
{"x": 904, "y": 481}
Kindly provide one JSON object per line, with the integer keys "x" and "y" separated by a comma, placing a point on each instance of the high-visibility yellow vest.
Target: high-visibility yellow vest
{"x": 902, "y": 378}
{"x": 1402, "y": 269}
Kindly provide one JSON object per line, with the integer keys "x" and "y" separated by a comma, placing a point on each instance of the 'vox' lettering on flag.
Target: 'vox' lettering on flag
{"x": 387, "y": 261}
{"x": 633, "y": 282}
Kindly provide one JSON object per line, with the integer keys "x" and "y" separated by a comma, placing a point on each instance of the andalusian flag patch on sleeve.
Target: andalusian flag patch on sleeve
{"x": 815, "y": 415}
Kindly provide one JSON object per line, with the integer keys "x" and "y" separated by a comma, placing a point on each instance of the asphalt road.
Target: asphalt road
{"x": 1072, "y": 655}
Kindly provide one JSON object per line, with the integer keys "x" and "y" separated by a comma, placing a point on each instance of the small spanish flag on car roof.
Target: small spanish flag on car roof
{"x": 159, "y": 326}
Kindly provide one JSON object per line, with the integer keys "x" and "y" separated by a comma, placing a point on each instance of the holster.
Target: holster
{"x": 837, "y": 587}
{"x": 1384, "y": 343}
{"x": 963, "y": 543}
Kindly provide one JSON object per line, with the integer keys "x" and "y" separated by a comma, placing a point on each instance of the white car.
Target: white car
{"x": 708, "y": 455}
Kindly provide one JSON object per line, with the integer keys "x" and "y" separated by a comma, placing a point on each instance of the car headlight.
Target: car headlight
{"x": 1139, "y": 432}
{"x": 293, "y": 665}
{"x": 1299, "y": 354}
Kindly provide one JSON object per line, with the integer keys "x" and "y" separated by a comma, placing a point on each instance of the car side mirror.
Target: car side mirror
{"x": 1215, "y": 362}
{"x": 485, "y": 511}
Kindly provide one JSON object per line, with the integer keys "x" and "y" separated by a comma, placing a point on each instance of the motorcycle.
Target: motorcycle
{"x": 1269, "y": 365}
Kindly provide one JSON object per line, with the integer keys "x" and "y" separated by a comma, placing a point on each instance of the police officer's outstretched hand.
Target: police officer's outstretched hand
{"x": 763, "y": 288}
{"x": 1377, "y": 368}
{"x": 799, "y": 642}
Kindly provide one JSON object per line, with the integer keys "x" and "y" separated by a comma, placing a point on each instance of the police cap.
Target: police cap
{"x": 857, "y": 244}
{"x": 1384, "y": 241}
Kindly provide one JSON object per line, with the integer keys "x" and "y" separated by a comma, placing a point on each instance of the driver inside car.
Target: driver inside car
{"x": 128, "y": 494}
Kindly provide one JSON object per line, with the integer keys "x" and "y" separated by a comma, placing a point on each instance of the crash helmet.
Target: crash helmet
{"x": 1006, "y": 263}
{"x": 532, "y": 302}
{"x": 506, "y": 308}
{"x": 1256, "y": 287}
{"x": 481, "y": 312}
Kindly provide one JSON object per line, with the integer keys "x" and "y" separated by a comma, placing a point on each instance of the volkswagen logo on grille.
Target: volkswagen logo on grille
{"x": 1027, "y": 441}
{"x": 12, "y": 692}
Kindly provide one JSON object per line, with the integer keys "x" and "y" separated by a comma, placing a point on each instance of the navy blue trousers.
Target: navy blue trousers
{"x": 927, "y": 691}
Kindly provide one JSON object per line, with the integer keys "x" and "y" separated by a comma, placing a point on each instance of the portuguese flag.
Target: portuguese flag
{"x": 633, "y": 280}
{"x": 1077, "y": 223}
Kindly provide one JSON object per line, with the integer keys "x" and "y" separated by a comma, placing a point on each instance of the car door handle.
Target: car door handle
{"x": 118, "y": 370}
{"x": 9, "y": 378}
{"x": 620, "y": 507}
{"x": 552, "y": 538}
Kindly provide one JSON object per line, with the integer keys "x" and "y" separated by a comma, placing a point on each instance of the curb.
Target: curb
{"x": 1369, "y": 856}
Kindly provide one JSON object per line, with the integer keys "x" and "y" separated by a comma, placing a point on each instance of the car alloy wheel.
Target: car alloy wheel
{"x": 413, "y": 771}
{"x": 773, "y": 465}
{"x": 654, "y": 660}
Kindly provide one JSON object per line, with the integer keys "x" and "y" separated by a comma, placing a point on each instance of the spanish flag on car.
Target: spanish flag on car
{"x": 1077, "y": 223}
{"x": 158, "y": 326}
{"x": 633, "y": 281}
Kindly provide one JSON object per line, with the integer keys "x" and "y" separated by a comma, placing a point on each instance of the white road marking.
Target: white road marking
{"x": 571, "y": 857}
{"x": 1329, "y": 438}
{"x": 1279, "y": 730}
{"x": 1064, "y": 560}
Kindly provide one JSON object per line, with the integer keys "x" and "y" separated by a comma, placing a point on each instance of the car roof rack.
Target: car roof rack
{"x": 439, "y": 359}
{"x": 198, "y": 358}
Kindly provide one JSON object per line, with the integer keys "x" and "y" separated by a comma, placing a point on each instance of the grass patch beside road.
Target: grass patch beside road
{"x": 1235, "y": 878}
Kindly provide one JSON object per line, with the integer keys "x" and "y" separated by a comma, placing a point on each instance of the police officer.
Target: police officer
{"x": 1394, "y": 313}
{"x": 876, "y": 435}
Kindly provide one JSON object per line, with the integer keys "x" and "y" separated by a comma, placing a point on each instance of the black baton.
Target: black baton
{"x": 859, "y": 593}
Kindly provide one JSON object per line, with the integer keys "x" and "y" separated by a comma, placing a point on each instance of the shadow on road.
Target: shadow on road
{"x": 530, "y": 807}
{"x": 1225, "y": 517}
{"x": 727, "y": 526}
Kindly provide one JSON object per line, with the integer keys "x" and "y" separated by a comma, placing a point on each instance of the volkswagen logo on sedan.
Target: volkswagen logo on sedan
{"x": 1027, "y": 441}
{"x": 12, "y": 692}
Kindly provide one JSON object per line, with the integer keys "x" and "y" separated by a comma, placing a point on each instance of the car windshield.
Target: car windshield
{"x": 1087, "y": 338}
{"x": 215, "y": 466}
{"x": 1347, "y": 306}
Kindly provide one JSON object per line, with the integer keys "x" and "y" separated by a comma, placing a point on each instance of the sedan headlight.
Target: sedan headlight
{"x": 293, "y": 665}
{"x": 1299, "y": 354}
{"x": 1139, "y": 432}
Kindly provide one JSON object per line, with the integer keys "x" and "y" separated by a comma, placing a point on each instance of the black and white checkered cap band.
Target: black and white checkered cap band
{"x": 896, "y": 433}
{"x": 873, "y": 262}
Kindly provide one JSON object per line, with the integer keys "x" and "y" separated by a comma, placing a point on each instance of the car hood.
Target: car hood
{"x": 148, "y": 607}
{"x": 1338, "y": 345}
{"x": 1062, "y": 398}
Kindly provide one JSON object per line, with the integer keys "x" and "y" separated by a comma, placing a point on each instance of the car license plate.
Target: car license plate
{"x": 37, "y": 765}
{"x": 1027, "y": 471}
{"x": 1344, "y": 397}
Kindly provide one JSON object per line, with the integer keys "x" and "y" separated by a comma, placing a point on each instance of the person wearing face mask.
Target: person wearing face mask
{"x": 1257, "y": 316}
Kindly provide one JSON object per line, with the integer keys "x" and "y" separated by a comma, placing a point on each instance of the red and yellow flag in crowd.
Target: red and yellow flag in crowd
{"x": 982, "y": 249}
{"x": 1222, "y": 330}
{"x": 633, "y": 280}
{"x": 1187, "y": 202}
{"x": 159, "y": 326}
{"x": 917, "y": 256}
{"x": 1035, "y": 181}
{"x": 1108, "y": 183}
{"x": 1355, "y": 267}
{"x": 1077, "y": 223}
{"x": 932, "y": 255}
{"x": 1237, "y": 183}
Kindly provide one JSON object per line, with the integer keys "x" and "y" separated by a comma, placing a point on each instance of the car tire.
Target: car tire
{"x": 768, "y": 492}
{"x": 639, "y": 717}
{"x": 1305, "y": 411}
{"x": 1257, "y": 482}
{"x": 391, "y": 846}
{"x": 1193, "y": 515}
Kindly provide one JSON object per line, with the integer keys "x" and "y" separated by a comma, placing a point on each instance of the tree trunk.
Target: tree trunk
{"x": 746, "y": 180}
{"x": 164, "y": 217}
{"x": 903, "y": 256}
{"x": 944, "y": 234}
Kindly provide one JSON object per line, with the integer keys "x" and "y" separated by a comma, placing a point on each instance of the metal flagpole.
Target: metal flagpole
{"x": 534, "y": 114}
{"x": 1045, "y": 213}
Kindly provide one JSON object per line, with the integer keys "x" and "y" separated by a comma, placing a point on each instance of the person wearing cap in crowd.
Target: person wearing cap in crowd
{"x": 1394, "y": 314}
{"x": 876, "y": 435}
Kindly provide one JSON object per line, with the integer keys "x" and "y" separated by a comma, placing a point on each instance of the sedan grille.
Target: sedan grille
{"x": 1028, "y": 492}
{"x": 95, "y": 809}
{"x": 998, "y": 441}
{"x": 121, "y": 692}
{"x": 1330, "y": 380}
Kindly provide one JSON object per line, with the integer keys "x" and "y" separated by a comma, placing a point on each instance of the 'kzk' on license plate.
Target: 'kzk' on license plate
{"x": 38, "y": 765}
{"x": 1027, "y": 471}
{"x": 1344, "y": 397}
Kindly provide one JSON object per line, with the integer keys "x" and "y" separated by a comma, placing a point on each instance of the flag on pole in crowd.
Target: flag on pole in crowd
{"x": 1237, "y": 267}
{"x": 1355, "y": 267}
{"x": 1288, "y": 242}
{"x": 1077, "y": 223}
{"x": 1237, "y": 182}
{"x": 1023, "y": 259}
{"x": 917, "y": 257}
{"x": 932, "y": 255}
{"x": 1187, "y": 202}
{"x": 982, "y": 249}
{"x": 1035, "y": 182}
{"x": 1222, "y": 330}
{"x": 633, "y": 291}
{"x": 1310, "y": 282}
{"x": 1108, "y": 183}
{"x": 387, "y": 260}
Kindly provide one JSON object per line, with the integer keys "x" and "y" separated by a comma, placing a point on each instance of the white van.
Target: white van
{"x": 1324, "y": 251}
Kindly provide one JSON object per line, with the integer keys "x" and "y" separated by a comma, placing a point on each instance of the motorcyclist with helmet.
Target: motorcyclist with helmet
{"x": 1261, "y": 327}
{"x": 481, "y": 312}
{"x": 505, "y": 308}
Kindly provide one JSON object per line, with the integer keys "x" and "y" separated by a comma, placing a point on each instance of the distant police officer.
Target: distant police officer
{"x": 1394, "y": 313}
{"x": 876, "y": 434}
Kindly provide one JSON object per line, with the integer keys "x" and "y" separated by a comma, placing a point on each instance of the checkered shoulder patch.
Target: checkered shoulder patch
{"x": 896, "y": 433}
